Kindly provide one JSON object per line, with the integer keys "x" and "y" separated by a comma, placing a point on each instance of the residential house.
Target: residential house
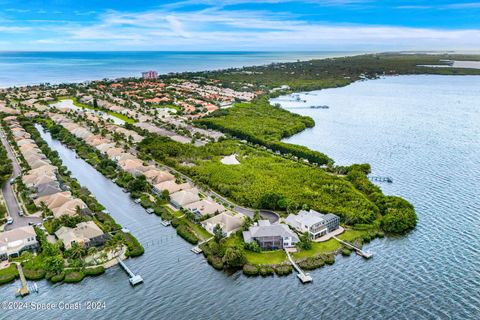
{"x": 14, "y": 242}
{"x": 228, "y": 221}
{"x": 182, "y": 198}
{"x": 205, "y": 207}
{"x": 270, "y": 236}
{"x": 171, "y": 186}
{"x": 314, "y": 223}
{"x": 86, "y": 234}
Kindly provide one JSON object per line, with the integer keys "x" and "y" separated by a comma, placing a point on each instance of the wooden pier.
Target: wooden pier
{"x": 380, "y": 179}
{"x": 23, "y": 291}
{"x": 360, "y": 252}
{"x": 134, "y": 279}
{"x": 304, "y": 277}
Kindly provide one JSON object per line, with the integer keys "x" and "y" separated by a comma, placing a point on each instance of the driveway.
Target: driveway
{"x": 8, "y": 194}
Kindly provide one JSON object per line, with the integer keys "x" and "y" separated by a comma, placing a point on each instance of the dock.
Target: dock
{"x": 134, "y": 279}
{"x": 24, "y": 290}
{"x": 304, "y": 277}
{"x": 380, "y": 179}
{"x": 360, "y": 252}
{"x": 165, "y": 223}
{"x": 197, "y": 249}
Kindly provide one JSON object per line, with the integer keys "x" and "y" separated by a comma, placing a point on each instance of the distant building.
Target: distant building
{"x": 270, "y": 236}
{"x": 149, "y": 75}
{"x": 14, "y": 242}
{"x": 314, "y": 223}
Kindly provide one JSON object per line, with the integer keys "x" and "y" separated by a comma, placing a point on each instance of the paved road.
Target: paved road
{"x": 8, "y": 194}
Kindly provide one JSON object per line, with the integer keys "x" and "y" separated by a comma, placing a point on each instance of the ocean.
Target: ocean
{"x": 29, "y": 68}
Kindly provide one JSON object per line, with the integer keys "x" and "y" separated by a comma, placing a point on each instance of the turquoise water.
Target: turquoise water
{"x": 26, "y": 68}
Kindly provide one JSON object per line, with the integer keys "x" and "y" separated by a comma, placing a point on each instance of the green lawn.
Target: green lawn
{"x": 266, "y": 257}
{"x": 199, "y": 230}
{"x": 8, "y": 274}
{"x": 317, "y": 248}
{"x": 352, "y": 235}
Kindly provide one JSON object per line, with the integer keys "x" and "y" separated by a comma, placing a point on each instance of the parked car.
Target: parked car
{"x": 47, "y": 218}
{"x": 21, "y": 213}
{"x": 12, "y": 181}
{"x": 9, "y": 220}
{"x": 31, "y": 223}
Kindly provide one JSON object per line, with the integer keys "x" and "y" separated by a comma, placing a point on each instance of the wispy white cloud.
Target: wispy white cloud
{"x": 216, "y": 28}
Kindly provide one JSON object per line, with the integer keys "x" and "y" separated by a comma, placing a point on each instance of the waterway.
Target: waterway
{"x": 422, "y": 130}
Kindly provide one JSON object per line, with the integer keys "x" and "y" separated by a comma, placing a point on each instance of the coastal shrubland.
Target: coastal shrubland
{"x": 331, "y": 72}
{"x": 264, "y": 180}
{"x": 261, "y": 123}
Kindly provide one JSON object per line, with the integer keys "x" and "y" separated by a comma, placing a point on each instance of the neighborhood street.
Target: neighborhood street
{"x": 265, "y": 214}
{"x": 8, "y": 194}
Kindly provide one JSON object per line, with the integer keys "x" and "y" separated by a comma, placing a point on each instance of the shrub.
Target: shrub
{"x": 73, "y": 276}
{"x": 34, "y": 274}
{"x": 96, "y": 271}
{"x": 250, "y": 270}
{"x": 215, "y": 261}
{"x": 265, "y": 271}
{"x": 283, "y": 269}
{"x": 184, "y": 231}
{"x": 57, "y": 278}
{"x": 346, "y": 252}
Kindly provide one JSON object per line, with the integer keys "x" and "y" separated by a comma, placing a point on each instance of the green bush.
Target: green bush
{"x": 215, "y": 261}
{"x": 34, "y": 274}
{"x": 250, "y": 270}
{"x": 265, "y": 271}
{"x": 283, "y": 269}
{"x": 8, "y": 274}
{"x": 57, "y": 278}
{"x": 73, "y": 276}
{"x": 311, "y": 263}
{"x": 184, "y": 231}
{"x": 92, "y": 272}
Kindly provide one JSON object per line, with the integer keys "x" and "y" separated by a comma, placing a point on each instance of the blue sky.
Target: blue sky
{"x": 240, "y": 25}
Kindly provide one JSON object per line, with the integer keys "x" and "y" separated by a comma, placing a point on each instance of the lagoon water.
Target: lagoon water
{"x": 27, "y": 68}
{"x": 422, "y": 130}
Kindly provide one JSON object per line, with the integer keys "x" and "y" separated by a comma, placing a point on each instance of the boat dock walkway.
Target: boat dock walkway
{"x": 23, "y": 291}
{"x": 133, "y": 278}
{"x": 165, "y": 223}
{"x": 304, "y": 277}
{"x": 197, "y": 249}
{"x": 365, "y": 254}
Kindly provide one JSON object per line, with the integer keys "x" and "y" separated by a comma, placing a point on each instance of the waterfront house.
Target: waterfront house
{"x": 205, "y": 207}
{"x": 182, "y": 198}
{"x": 270, "y": 236}
{"x": 156, "y": 176}
{"x": 14, "y": 242}
{"x": 86, "y": 234}
{"x": 171, "y": 186}
{"x": 69, "y": 208}
{"x": 228, "y": 221}
{"x": 314, "y": 223}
